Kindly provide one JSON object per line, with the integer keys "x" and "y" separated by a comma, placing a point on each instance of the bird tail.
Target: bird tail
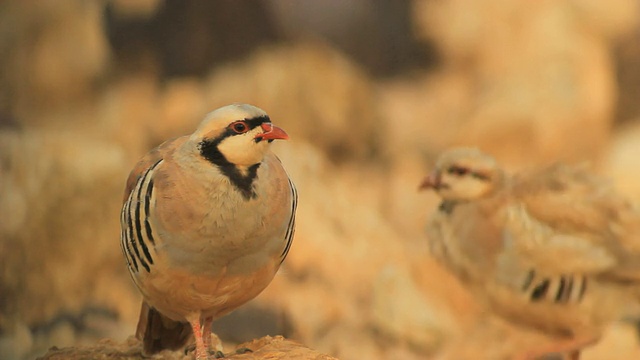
{"x": 158, "y": 332}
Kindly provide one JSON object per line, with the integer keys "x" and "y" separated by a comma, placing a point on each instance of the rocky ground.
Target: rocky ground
{"x": 86, "y": 88}
{"x": 276, "y": 348}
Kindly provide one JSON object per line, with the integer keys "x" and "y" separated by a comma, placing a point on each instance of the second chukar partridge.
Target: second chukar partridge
{"x": 553, "y": 249}
{"x": 207, "y": 220}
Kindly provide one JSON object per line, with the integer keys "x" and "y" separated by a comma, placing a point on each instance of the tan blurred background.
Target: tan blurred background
{"x": 369, "y": 90}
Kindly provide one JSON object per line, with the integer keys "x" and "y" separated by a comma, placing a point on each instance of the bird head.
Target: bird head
{"x": 463, "y": 174}
{"x": 238, "y": 134}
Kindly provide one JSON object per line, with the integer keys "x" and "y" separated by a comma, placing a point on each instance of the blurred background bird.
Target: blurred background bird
{"x": 554, "y": 248}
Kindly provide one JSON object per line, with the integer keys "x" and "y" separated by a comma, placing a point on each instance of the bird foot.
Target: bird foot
{"x": 243, "y": 350}
{"x": 189, "y": 349}
{"x": 220, "y": 355}
{"x": 217, "y": 354}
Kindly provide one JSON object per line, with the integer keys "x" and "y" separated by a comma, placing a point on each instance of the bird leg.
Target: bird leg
{"x": 206, "y": 338}
{"x": 574, "y": 355}
{"x": 570, "y": 347}
{"x": 201, "y": 350}
{"x": 206, "y": 332}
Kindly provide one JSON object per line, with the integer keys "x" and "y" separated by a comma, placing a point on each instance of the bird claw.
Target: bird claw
{"x": 243, "y": 350}
{"x": 220, "y": 355}
{"x": 217, "y": 354}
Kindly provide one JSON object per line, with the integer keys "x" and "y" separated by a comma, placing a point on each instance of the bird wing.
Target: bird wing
{"x": 151, "y": 158}
{"x": 536, "y": 245}
{"x": 155, "y": 330}
{"x": 563, "y": 219}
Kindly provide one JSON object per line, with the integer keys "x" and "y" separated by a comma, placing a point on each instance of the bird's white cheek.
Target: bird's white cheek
{"x": 242, "y": 150}
{"x": 468, "y": 190}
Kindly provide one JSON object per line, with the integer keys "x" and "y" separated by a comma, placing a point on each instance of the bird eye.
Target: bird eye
{"x": 239, "y": 127}
{"x": 456, "y": 170}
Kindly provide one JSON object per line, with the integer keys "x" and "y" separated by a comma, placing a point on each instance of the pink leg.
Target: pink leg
{"x": 201, "y": 350}
{"x": 570, "y": 347}
{"x": 574, "y": 355}
{"x": 206, "y": 332}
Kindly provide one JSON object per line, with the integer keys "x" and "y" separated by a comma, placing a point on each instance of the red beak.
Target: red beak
{"x": 431, "y": 182}
{"x": 271, "y": 132}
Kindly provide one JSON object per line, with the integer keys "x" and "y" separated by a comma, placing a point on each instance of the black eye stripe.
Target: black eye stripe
{"x": 252, "y": 123}
{"x": 243, "y": 126}
{"x": 480, "y": 176}
{"x": 457, "y": 170}
{"x": 462, "y": 171}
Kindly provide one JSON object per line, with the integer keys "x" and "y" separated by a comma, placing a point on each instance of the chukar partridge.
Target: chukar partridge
{"x": 207, "y": 220}
{"x": 554, "y": 249}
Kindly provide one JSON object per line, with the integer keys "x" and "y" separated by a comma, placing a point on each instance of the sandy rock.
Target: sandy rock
{"x": 279, "y": 348}
{"x": 264, "y": 348}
